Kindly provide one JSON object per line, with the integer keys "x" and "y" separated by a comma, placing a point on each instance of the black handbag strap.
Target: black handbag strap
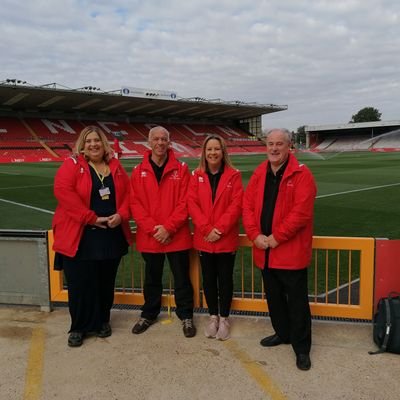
{"x": 388, "y": 325}
{"x": 387, "y": 330}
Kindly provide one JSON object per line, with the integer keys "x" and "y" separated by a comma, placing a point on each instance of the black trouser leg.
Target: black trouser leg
{"x": 210, "y": 281}
{"x": 287, "y": 296}
{"x": 277, "y": 303}
{"x": 179, "y": 264}
{"x": 108, "y": 272}
{"x": 152, "y": 289}
{"x": 226, "y": 263}
{"x": 83, "y": 292}
{"x": 299, "y": 312}
{"x": 217, "y": 271}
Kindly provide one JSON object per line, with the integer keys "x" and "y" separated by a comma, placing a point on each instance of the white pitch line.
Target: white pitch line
{"x": 322, "y": 295}
{"x": 26, "y": 206}
{"x": 357, "y": 190}
{"x": 24, "y": 187}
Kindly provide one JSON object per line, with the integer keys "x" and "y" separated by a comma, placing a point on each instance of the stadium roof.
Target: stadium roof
{"x": 359, "y": 127}
{"x": 21, "y": 97}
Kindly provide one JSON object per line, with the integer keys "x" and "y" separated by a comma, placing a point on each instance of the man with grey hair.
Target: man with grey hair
{"x": 159, "y": 186}
{"x": 278, "y": 208}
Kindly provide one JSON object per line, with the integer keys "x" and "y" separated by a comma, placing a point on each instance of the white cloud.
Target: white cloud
{"x": 324, "y": 59}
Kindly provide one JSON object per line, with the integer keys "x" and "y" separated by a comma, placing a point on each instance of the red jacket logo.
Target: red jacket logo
{"x": 175, "y": 176}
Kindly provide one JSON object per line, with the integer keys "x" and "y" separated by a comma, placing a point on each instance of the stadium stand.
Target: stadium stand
{"x": 52, "y": 115}
{"x": 358, "y": 143}
{"x": 362, "y": 136}
{"x": 51, "y": 139}
{"x": 46, "y": 139}
{"x": 12, "y": 129}
{"x": 348, "y": 143}
{"x": 255, "y": 149}
{"x": 387, "y": 142}
{"x": 323, "y": 145}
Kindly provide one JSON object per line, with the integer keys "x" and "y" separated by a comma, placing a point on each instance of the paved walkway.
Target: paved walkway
{"x": 161, "y": 364}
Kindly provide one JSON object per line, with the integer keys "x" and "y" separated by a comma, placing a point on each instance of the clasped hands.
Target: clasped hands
{"x": 111, "y": 222}
{"x": 161, "y": 234}
{"x": 213, "y": 236}
{"x": 264, "y": 242}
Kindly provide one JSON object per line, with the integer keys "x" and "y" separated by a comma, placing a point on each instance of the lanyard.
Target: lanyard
{"x": 101, "y": 177}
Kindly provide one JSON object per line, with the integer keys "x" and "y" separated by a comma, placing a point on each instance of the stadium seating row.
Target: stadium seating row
{"x": 35, "y": 139}
{"x": 359, "y": 143}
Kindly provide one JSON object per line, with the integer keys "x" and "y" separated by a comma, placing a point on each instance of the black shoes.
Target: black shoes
{"x": 105, "y": 330}
{"x": 142, "y": 325}
{"x": 75, "y": 339}
{"x": 303, "y": 362}
{"x": 273, "y": 340}
{"x": 189, "y": 330}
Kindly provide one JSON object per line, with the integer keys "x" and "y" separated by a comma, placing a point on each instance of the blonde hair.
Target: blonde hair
{"x": 80, "y": 143}
{"x": 225, "y": 156}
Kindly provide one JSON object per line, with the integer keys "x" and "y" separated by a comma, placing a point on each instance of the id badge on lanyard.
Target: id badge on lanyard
{"x": 104, "y": 193}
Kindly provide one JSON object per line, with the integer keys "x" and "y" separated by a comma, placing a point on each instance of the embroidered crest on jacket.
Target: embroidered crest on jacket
{"x": 175, "y": 175}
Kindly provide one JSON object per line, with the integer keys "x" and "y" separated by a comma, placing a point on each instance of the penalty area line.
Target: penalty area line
{"x": 27, "y": 206}
{"x": 23, "y": 187}
{"x": 357, "y": 190}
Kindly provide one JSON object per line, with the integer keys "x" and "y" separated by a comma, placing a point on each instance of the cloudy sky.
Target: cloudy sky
{"x": 324, "y": 59}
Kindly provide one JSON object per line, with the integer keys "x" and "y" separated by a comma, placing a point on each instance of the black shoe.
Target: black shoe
{"x": 75, "y": 339}
{"x": 142, "y": 325}
{"x": 303, "y": 362}
{"x": 273, "y": 340}
{"x": 105, "y": 330}
{"x": 189, "y": 330}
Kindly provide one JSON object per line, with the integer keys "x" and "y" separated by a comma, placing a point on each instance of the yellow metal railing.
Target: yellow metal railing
{"x": 340, "y": 279}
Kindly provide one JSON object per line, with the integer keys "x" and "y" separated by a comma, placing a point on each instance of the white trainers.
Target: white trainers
{"x": 212, "y": 327}
{"x": 223, "y": 329}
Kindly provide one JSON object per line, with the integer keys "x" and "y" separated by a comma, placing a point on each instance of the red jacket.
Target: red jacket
{"x": 160, "y": 204}
{"x": 72, "y": 188}
{"x": 292, "y": 224}
{"x": 223, "y": 214}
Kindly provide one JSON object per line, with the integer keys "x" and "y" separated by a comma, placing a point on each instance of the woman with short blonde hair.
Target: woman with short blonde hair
{"x": 91, "y": 231}
{"x": 79, "y": 148}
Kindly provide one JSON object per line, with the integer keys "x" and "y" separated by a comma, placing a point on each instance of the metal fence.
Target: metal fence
{"x": 341, "y": 277}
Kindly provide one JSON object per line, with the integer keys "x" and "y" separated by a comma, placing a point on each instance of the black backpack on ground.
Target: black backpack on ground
{"x": 387, "y": 324}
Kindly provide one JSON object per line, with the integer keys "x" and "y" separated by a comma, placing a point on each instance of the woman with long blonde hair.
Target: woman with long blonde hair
{"x": 215, "y": 205}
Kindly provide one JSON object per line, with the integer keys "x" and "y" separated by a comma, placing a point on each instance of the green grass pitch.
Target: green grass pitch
{"x": 358, "y": 193}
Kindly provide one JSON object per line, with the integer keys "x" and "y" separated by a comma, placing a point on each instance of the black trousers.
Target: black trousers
{"x": 183, "y": 290}
{"x": 217, "y": 271}
{"x": 287, "y": 297}
{"x": 90, "y": 292}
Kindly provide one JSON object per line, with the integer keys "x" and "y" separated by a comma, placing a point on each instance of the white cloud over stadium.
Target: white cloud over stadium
{"x": 324, "y": 59}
